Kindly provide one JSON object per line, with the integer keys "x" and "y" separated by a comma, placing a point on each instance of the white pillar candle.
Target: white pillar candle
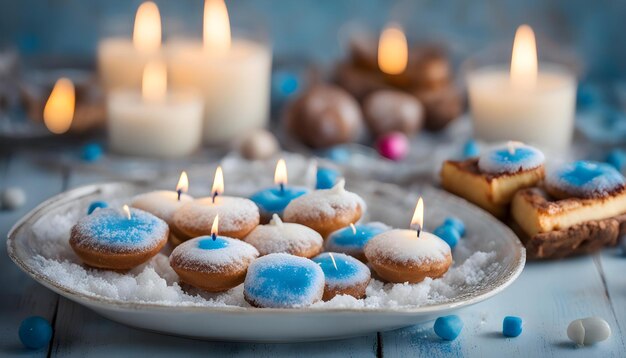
{"x": 525, "y": 104}
{"x": 121, "y": 60}
{"x": 155, "y": 122}
{"x": 233, "y": 76}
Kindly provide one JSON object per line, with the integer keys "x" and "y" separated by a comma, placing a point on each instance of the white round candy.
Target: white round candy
{"x": 12, "y": 198}
{"x": 259, "y": 144}
{"x": 588, "y": 330}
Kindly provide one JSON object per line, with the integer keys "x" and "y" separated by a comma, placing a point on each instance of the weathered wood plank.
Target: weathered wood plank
{"x": 547, "y": 296}
{"x": 20, "y": 296}
{"x": 612, "y": 266}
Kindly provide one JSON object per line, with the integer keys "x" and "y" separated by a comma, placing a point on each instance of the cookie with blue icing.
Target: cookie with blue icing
{"x": 283, "y": 281}
{"x": 117, "y": 240}
{"x": 344, "y": 275}
{"x": 351, "y": 239}
{"x": 213, "y": 263}
{"x": 584, "y": 179}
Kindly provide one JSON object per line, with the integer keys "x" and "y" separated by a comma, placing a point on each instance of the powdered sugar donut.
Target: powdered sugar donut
{"x": 161, "y": 203}
{"x": 326, "y": 210}
{"x": 109, "y": 239}
{"x": 344, "y": 275}
{"x": 294, "y": 239}
{"x": 400, "y": 256}
{"x": 238, "y": 216}
{"x": 283, "y": 281}
{"x": 211, "y": 263}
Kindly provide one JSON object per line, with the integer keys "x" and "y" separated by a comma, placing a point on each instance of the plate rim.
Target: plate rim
{"x": 111, "y": 303}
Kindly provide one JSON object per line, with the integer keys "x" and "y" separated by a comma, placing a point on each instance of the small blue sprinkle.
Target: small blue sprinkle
{"x": 96, "y": 205}
{"x": 92, "y": 152}
{"x": 511, "y": 326}
{"x": 449, "y": 234}
{"x": 470, "y": 149}
{"x": 285, "y": 83}
{"x": 337, "y": 154}
{"x": 35, "y": 332}
{"x": 326, "y": 178}
{"x": 448, "y": 327}
{"x": 617, "y": 158}
{"x": 456, "y": 223}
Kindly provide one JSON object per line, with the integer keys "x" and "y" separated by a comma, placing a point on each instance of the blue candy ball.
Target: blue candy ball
{"x": 456, "y": 223}
{"x": 470, "y": 149}
{"x": 96, "y": 205}
{"x": 337, "y": 154}
{"x": 326, "y": 178}
{"x": 511, "y": 326}
{"x": 448, "y": 327}
{"x": 617, "y": 158}
{"x": 35, "y": 332}
{"x": 448, "y": 234}
{"x": 91, "y": 152}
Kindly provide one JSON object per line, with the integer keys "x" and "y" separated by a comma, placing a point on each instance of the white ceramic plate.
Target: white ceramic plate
{"x": 386, "y": 203}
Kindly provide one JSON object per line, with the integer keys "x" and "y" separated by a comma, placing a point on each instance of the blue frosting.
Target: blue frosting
{"x": 326, "y": 178}
{"x": 502, "y": 160}
{"x": 584, "y": 178}
{"x": 348, "y": 239}
{"x": 111, "y": 227}
{"x": 274, "y": 200}
{"x": 207, "y": 243}
{"x": 348, "y": 268}
{"x": 511, "y": 326}
{"x": 283, "y": 280}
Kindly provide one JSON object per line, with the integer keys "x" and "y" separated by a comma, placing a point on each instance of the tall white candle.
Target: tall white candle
{"x": 233, "y": 75}
{"x": 121, "y": 60}
{"x": 154, "y": 122}
{"x": 528, "y": 104}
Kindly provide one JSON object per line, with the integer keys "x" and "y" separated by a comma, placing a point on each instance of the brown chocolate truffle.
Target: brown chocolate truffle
{"x": 429, "y": 68}
{"x": 358, "y": 81}
{"x": 323, "y": 116}
{"x": 258, "y": 144}
{"x": 442, "y": 105}
{"x": 390, "y": 111}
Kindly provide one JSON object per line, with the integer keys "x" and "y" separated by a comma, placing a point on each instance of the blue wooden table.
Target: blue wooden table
{"x": 547, "y": 296}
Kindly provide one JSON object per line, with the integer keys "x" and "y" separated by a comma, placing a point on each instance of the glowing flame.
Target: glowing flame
{"x": 183, "y": 183}
{"x": 59, "y": 110}
{"x": 147, "y": 32}
{"x": 126, "y": 210}
{"x": 154, "y": 84}
{"x": 218, "y": 182}
{"x": 524, "y": 58}
{"x": 353, "y": 228}
{"x": 418, "y": 216}
{"x": 393, "y": 51}
{"x": 214, "y": 227}
{"x": 333, "y": 259}
{"x": 280, "y": 175}
{"x": 216, "y": 26}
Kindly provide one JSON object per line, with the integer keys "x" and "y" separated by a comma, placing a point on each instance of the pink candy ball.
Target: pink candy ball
{"x": 394, "y": 145}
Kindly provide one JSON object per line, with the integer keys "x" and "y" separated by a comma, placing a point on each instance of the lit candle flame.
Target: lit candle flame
{"x": 154, "y": 84}
{"x": 353, "y": 228}
{"x": 418, "y": 217}
{"x": 183, "y": 184}
{"x": 126, "y": 210}
{"x": 524, "y": 58}
{"x": 216, "y": 29}
{"x": 393, "y": 51}
{"x": 214, "y": 227}
{"x": 58, "y": 112}
{"x": 147, "y": 31}
{"x": 333, "y": 259}
{"x": 280, "y": 174}
{"x": 218, "y": 183}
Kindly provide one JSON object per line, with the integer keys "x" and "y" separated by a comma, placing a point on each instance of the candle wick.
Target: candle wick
{"x": 180, "y": 192}
{"x": 282, "y": 188}
{"x": 419, "y": 230}
{"x": 213, "y": 236}
{"x": 215, "y": 193}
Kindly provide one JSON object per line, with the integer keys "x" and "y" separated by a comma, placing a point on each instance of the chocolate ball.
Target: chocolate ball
{"x": 364, "y": 52}
{"x": 259, "y": 144}
{"x": 358, "y": 81}
{"x": 442, "y": 105}
{"x": 323, "y": 116}
{"x": 430, "y": 68}
{"x": 393, "y": 111}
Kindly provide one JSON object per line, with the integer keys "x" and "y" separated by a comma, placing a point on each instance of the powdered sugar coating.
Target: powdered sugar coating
{"x": 503, "y": 159}
{"x": 226, "y": 254}
{"x": 585, "y": 179}
{"x": 346, "y": 241}
{"x": 349, "y": 271}
{"x": 110, "y": 230}
{"x": 282, "y": 281}
{"x": 324, "y": 204}
{"x": 404, "y": 247}
{"x": 198, "y": 215}
{"x": 161, "y": 203}
{"x": 284, "y": 237}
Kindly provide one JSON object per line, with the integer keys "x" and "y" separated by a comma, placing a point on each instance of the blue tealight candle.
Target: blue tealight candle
{"x": 212, "y": 243}
{"x": 274, "y": 200}
{"x": 352, "y": 239}
{"x": 511, "y": 158}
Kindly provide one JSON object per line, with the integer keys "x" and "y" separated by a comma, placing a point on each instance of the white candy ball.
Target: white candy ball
{"x": 259, "y": 144}
{"x": 12, "y": 198}
{"x": 588, "y": 330}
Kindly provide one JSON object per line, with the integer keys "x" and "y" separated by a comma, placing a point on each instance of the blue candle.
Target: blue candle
{"x": 352, "y": 239}
{"x": 511, "y": 158}
{"x": 274, "y": 200}
{"x": 585, "y": 179}
{"x": 212, "y": 243}
{"x": 342, "y": 270}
